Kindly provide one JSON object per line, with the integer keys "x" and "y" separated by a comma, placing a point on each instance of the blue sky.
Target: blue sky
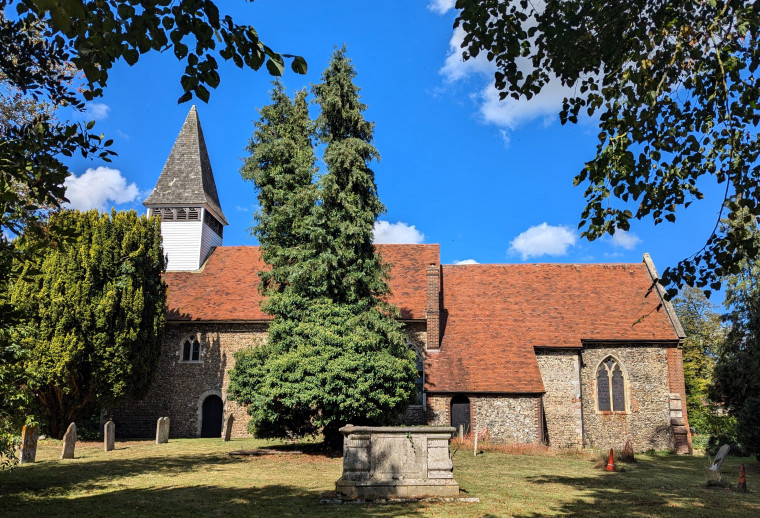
{"x": 490, "y": 181}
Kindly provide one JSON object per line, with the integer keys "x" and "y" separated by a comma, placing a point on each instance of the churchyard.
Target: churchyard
{"x": 198, "y": 477}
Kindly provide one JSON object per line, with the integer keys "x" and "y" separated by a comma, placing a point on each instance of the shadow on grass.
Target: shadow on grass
{"x": 95, "y": 488}
{"x": 52, "y": 477}
{"x": 674, "y": 488}
{"x": 267, "y": 501}
{"x": 316, "y": 448}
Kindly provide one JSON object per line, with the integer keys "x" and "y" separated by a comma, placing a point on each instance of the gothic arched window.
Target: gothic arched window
{"x": 191, "y": 350}
{"x": 610, "y": 386}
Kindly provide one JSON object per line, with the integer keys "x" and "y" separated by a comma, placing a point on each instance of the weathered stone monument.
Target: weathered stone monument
{"x": 69, "y": 442}
{"x": 162, "y": 430}
{"x": 720, "y": 457}
{"x": 401, "y": 462}
{"x": 29, "y": 437}
{"x": 227, "y": 427}
{"x": 109, "y": 435}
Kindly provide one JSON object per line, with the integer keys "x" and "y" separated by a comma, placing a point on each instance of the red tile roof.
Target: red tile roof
{"x": 227, "y": 287}
{"x": 494, "y": 315}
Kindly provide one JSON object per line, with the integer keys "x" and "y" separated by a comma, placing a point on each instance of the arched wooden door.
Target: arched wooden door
{"x": 460, "y": 412}
{"x": 211, "y": 417}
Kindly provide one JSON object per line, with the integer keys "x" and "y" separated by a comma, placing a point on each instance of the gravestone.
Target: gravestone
{"x": 109, "y": 435}
{"x": 162, "y": 430}
{"x": 227, "y": 427}
{"x": 69, "y": 442}
{"x": 720, "y": 457}
{"x": 28, "y": 444}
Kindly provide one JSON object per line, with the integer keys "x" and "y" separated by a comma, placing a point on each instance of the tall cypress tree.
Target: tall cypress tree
{"x": 334, "y": 354}
{"x": 95, "y": 314}
{"x": 350, "y": 204}
{"x": 282, "y": 165}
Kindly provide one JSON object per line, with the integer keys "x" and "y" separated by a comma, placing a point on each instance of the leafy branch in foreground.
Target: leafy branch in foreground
{"x": 672, "y": 84}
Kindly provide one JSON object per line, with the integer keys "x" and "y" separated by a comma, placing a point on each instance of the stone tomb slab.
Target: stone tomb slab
{"x": 397, "y": 462}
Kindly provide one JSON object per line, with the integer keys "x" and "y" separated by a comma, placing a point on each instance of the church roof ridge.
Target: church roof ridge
{"x": 187, "y": 177}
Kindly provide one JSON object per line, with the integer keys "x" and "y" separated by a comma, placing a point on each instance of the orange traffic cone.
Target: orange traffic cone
{"x": 742, "y": 480}
{"x": 610, "y": 462}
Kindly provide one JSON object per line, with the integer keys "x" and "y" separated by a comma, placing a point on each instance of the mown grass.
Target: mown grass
{"x": 198, "y": 477}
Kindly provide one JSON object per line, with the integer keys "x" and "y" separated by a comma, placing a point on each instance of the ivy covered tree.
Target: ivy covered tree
{"x": 93, "y": 314}
{"x": 335, "y": 353}
{"x": 672, "y": 84}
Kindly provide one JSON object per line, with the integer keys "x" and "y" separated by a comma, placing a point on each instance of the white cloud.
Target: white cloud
{"x": 456, "y": 69}
{"x": 98, "y": 111}
{"x": 99, "y": 188}
{"x": 509, "y": 113}
{"x": 441, "y": 6}
{"x": 543, "y": 239}
{"x": 386, "y": 233}
{"x": 626, "y": 240}
{"x": 242, "y": 209}
{"x": 466, "y": 261}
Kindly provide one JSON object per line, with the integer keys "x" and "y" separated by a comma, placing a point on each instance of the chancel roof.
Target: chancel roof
{"x": 187, "y": 178}
{"x": 494, "y": 317}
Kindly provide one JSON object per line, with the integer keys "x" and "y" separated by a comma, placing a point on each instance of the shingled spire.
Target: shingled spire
{"x": 185, "y": 198}
{"x": 187, "y": 178}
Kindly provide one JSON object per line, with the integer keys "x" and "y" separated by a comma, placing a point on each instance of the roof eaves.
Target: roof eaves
{"x": 669, "y": 310}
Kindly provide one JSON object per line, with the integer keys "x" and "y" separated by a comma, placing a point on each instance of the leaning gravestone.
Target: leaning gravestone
{"x": 28, "y": 444}
{"x": 69, "y": 442}
{"x": 720, "y": 457}
{"x": 227, "y": 428}
{"x": 162, "y": 430}
{"x": 109, "y": 435}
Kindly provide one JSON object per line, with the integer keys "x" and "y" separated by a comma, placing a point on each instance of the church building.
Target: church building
{"x": 570, "y": 355}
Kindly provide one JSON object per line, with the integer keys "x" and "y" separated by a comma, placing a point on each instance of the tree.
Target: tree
{"x": 45, "y": 45}
{"x": 736, "y": 383}
{"x": 94, "y": 314}
{"x": 282, "y": 164}
{"x": 672, "y": 84}
{"x": 704, "y": 336}
{"x": 334, "y": 353}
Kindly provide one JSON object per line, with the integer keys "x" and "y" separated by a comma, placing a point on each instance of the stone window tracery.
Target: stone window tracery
{"x": 610, "y": 386}
{"x": 190, "y": 351}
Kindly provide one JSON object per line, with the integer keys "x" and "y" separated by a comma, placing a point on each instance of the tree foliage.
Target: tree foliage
{"x": 672, "y": 84}
{"x": 704, "y": 337}
{"x": 736, "y": 382}
{"x": 94, "y": 312}
{"x": 334, "y": 353}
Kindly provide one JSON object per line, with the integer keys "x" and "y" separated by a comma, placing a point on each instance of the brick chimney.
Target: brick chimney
{"x": 433, "y": 307}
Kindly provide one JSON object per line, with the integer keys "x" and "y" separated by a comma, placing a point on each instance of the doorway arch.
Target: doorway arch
{"x": 460, "y": 412}
{"x": 211, "y": 416}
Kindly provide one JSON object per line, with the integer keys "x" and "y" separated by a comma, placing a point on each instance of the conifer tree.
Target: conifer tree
{"x": 334, "y": 353}
{"x": 282, "y": 165}
{"x": 95, "y": 314}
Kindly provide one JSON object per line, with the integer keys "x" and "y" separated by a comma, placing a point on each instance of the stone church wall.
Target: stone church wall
{"x": 646, "y": 422}
{"x": 416, "y": 414}
{"x": 179, "y": 388}
{"x": 563, "y": 411}
{"x": 509, "y": 419}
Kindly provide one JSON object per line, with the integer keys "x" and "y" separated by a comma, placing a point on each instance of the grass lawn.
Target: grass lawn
{"x": 197, "y": 476}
